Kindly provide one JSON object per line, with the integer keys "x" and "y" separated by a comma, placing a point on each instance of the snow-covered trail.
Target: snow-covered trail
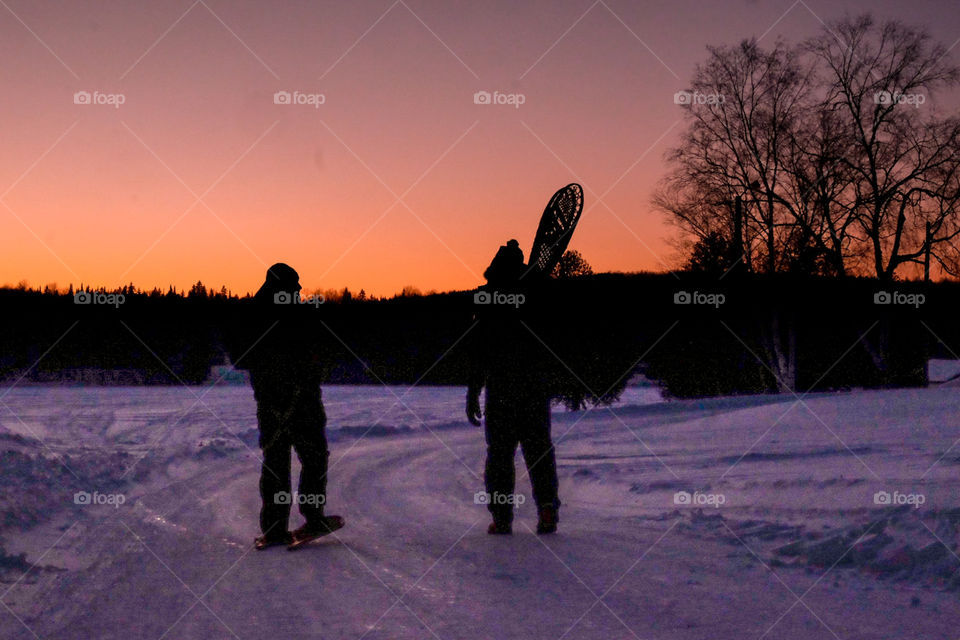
{"x": 414, "y": 560}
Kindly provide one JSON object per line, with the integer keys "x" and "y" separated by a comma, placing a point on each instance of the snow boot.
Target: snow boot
{"x": 548, "y": 519}
{"x": 500, "y": 527}
{"x": 265, "y": 541}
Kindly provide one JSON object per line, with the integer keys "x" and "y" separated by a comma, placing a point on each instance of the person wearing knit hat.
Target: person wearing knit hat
{"x": 507, "y": 360}
{"x": 290, "y": 414}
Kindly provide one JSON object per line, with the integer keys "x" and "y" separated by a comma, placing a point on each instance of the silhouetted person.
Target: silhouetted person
{"x": 286, "y": 385}
{"x": 507, "y": 359}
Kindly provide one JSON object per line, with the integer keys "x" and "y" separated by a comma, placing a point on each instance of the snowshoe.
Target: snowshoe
{"x": 311, "y": 531}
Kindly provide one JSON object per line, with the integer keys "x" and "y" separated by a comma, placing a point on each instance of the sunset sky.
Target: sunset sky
{"x": 397, "y": 179}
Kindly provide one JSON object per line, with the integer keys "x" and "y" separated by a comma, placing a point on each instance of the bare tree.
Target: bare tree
{"x": 834, "y": 149}
{"x": 743, "y": 106}
{"x": 878, "y": 79}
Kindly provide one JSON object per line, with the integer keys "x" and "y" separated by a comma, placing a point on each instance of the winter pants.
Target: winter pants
{"x": 525, "y": 422}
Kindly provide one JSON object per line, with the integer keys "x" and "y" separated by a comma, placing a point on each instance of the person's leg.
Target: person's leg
{"x": 499, "y": 473}
{"x": 538, "y": 453}
{"x": 274, "y": 472}
{"x": 310, "y": 443}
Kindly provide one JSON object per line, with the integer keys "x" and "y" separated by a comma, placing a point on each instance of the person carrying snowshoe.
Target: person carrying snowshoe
{"x": 286, "y": 385}
{"x": 508, "y": 360}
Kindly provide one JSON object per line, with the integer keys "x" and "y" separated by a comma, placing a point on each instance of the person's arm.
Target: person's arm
{"x": 473, "y": 405}
{"x": 476, "y": 376}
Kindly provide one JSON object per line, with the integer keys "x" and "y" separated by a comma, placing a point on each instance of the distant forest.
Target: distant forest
{"x": 694, "y": 334}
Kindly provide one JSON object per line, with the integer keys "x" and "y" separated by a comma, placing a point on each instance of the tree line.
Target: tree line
{"x": 689, "y": 332}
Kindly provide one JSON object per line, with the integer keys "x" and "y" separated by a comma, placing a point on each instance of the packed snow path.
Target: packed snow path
{"x": 175, "y": 560}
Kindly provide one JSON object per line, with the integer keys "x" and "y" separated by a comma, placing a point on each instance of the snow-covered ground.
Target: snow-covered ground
{"x": 788, "y": 539}
{"x": 943, "y": 370}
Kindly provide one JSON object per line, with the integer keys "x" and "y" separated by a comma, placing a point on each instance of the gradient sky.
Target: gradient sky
{"x": 397, "y": 179}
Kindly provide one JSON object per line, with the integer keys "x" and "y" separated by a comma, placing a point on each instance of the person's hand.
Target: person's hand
{"x": 473, "y": 408}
